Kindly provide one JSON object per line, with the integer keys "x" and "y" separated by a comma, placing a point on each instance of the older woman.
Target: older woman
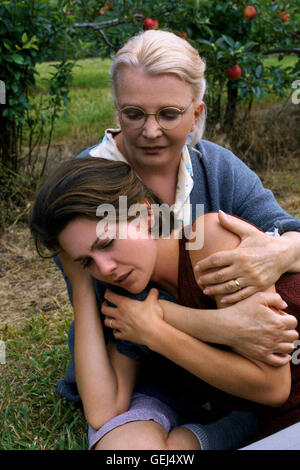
{"x": 158, "y": 85}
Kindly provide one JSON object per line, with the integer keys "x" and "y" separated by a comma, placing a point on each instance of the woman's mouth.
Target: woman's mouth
{"x": 152, "y": 150}
{"x": 124, "y": 279}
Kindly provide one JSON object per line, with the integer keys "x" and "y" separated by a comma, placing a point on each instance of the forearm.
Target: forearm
{"x": 224, "y": 370}
{"x": 210, "y": 326}
{"x": 95, "y": 376}
{"x": 292, "y": 258}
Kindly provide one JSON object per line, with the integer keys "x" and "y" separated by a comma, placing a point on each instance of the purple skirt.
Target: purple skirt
{"x": 142, "y": 408}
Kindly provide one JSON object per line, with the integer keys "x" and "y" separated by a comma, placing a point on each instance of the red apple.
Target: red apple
{"x": 109, "y": 6}
{"x": 69, "y": 13}
{"x": 284, "y": 16}
{"x": 249, "y": 12}
{"x": 234, "y": 72}
{"x": 183, "y": 34}
{"x": 101, "y": 11}
{"x": 150, "y": 23}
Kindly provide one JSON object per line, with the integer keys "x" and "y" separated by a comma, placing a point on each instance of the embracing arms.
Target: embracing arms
{"x": 257, "y": 262}
{"x": 145, "y": 323}
{"x": 259, "y": 333}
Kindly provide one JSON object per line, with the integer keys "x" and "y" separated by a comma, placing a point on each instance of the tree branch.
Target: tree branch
{"x": 103, "y": 24}
{"x": 279, "y": 50}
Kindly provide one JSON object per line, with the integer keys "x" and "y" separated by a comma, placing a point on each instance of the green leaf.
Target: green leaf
{"x": 18, "y": 59}
{"x": 24, "y": 38}
{"x": 259, "y": 71}
{"x": 228, "y": 40}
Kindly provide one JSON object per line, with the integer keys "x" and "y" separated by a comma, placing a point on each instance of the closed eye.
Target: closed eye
{"x": 86, "y": 262}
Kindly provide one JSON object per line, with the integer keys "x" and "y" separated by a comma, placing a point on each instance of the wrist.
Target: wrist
{"x": 226, "y": 325}
{"x": 158, "y": 331}
{"x": 289, "y": 252}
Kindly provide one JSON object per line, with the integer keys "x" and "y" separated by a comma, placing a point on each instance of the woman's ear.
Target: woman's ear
{"x": 198, "y": 110}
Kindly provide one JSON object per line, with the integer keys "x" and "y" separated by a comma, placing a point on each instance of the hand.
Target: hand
{"x": 259, "y": 329}
{"x": 133, "y": 320}
{"x": 255, "y": 265}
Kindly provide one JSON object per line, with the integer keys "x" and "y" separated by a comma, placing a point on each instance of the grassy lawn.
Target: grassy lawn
{"x": 33, "y": 417}
{"x": 90, "y": 110}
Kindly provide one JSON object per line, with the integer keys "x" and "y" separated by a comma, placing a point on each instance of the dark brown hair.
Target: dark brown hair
{"x": 76, "y": 189}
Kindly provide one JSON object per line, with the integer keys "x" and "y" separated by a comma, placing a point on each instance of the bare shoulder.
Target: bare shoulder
{"x": 215, "y": 237}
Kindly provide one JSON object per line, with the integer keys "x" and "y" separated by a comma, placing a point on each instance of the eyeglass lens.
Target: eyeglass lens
{"x": 167, "y": 118}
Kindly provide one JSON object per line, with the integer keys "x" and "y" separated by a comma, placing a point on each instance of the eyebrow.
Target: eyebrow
{"x": 126, "y": 105}
{"x": 80, "y": 258}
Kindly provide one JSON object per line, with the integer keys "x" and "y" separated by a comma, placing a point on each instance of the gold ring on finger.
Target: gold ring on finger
{"x": 110, "y": 323}
{"x": 238, "y": 285}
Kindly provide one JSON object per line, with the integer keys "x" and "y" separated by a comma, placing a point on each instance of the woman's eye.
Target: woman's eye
{"x": 133, "y": 114}
{"x": 86, "y": 263}
{"x": 169, "y": 114}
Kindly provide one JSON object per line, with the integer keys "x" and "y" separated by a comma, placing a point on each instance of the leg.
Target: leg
{"x": 147, "y": 435}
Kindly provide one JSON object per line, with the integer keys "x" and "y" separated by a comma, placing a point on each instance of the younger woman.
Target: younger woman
{"x": 193, "y": 387}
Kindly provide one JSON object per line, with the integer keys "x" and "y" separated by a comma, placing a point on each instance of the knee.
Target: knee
{"x": 138, "y": 435}
{"x": 182, "y": 439}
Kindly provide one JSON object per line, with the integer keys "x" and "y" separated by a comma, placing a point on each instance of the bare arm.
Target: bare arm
{"x": 226, "y": 370}
{"x": 257, "y": 261}
{"x": 105, "y": 378}
{"x": 142, "y": 323}
{"x": 261, "y": 334}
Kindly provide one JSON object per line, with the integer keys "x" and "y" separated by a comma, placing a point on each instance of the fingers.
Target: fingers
{"x": 108, "y": 310}
{"x": 285, "y": 348}
{"x": 236, "y": 225}
{"x": 111, "y": 323}
{"x": 216, "y": 260}
{"x": 214, "y": 277}
{"x": 238, "y": 296}
{"x": 291, "y": 322}
{"x": 152, "y": 295}
{"x": 277, "y": 360}
{"x": 113, "y": 297}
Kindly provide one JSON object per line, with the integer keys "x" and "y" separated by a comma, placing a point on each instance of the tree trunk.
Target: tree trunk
{"x": 231, "y": 108}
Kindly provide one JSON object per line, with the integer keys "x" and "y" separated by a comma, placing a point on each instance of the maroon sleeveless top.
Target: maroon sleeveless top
{"x": 288, "y": 286}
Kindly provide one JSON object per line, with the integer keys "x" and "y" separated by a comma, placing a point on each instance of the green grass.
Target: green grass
{"x": 33, "y": 417}
{"x": 90, "y": 109}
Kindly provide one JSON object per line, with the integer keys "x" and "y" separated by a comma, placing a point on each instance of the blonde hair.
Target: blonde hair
{"x": 159, "y": 52}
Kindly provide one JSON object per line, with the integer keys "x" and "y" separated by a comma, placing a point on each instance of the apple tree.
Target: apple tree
{"x": 234, "y": 37}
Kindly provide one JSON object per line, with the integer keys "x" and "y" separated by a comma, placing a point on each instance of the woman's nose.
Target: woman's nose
{"x": 151, "y": 128}
{"x": 105, "y": 264}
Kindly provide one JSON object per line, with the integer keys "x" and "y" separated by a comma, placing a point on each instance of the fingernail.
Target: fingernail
{"x": 206, "y": 291}
{"x": 196, "y": 268}
{"x": 223, "y": 301}
{"x": 200, "y": 282}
